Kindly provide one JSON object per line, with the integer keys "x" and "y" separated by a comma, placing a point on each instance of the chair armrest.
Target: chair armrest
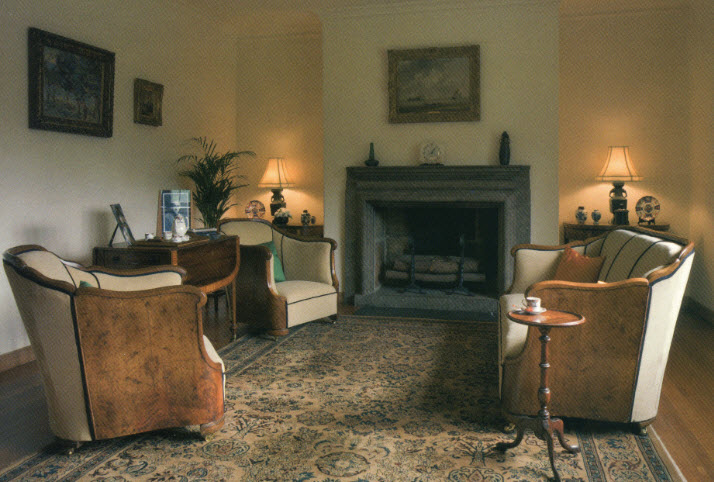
{"x": 258, "y": 302}
{"x": 146, "y": 346}
{"x": 594, "y": 364}
{"x": 309, "y": 259}
{"x": 137, "y": 279}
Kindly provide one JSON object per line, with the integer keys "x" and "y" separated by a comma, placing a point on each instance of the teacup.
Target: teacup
{"x": 168, "y": 235}
{"x": 531, "y": 303}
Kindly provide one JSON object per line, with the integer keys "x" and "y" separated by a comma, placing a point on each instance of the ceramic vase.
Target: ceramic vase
{"x": 596, "y": 216}
{"x": 581, "y": 215}
{"x": 179, "y": 227}
{"x": 305, "y": 218}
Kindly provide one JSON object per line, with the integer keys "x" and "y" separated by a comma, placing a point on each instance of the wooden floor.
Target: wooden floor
{"x": 684, "y": 422}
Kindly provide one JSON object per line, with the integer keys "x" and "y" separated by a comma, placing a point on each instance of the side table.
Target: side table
{"x": 543, "y": 425}
{"x": 581, "y": 232}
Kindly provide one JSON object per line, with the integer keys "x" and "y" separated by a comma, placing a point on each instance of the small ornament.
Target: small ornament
{"x": 581, "y": 215}
{"x": 179, "y": 228}
{"x": 504, "y": 151}
{"x": 371, "y": 162}
{"x": 596, "y": 215}
{"x": 305, "y": 218}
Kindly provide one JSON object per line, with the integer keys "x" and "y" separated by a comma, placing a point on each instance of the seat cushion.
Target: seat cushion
{"x": 308, "y": 300}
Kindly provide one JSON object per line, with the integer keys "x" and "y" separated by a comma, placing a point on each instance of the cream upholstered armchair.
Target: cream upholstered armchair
{"x": 120, "y": 351}
{"x": 303, "y": 288}
{"x": 610, "y": 368}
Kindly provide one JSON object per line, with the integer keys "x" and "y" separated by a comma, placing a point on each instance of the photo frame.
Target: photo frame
{"x": 122, "y": 225}
{"x": 172, "y": 202}
{"x": 71, "y": 85}
{"x": 147, "y": 102}
{"x": 440, "y": 84}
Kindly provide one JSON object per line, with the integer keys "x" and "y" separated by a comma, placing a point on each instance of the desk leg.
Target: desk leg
{"x": 234, "y": 317}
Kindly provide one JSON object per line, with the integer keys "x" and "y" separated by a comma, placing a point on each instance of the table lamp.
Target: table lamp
{"x": 276, "y": 179}
{"x": 618, "y": 170}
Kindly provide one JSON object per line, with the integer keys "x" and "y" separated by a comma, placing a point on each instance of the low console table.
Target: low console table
{"x": 544, "y": 427}
{"x": 210, "y": 264}
{"x": 581, "y": 232}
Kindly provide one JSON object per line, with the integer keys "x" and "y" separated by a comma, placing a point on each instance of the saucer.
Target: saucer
{"x": 535, "y": 311}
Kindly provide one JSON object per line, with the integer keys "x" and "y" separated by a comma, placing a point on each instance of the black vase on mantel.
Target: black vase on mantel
{"x": 504, "y": 151}
{"x": 371, "y": 162}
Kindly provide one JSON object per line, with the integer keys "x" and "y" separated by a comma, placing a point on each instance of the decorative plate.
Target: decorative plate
{"x": 255, "y": 209}
{"x": 647, "y": 208}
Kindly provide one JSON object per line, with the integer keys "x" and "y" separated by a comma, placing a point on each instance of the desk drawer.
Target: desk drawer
{"x": 130, "y": 258}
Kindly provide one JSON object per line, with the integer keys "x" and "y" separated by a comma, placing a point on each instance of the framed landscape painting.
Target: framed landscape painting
{"x": 71, "y": 85}
{"x": 434, "y": 84}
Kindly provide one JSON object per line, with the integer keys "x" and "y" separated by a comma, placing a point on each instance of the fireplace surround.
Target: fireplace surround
{"x": 374, "y": 190}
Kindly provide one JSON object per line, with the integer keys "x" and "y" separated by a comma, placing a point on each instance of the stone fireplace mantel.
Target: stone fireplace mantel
{"x": 370, "y": 189}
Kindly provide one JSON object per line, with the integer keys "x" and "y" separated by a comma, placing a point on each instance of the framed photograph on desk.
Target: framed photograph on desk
{"x": 122, "y": 225}
{"x": 173, "y": 202}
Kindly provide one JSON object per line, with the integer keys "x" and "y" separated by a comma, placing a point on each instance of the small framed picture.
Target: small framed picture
{"x": 122, "y": 225}
{"x": 172, "y": 203}
{"x": 147, "y": 102}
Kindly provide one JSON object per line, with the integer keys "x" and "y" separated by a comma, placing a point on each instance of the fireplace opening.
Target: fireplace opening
{"x": 443, "y": 246}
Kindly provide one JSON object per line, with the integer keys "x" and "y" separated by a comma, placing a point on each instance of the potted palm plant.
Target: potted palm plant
{"x": 214, "y": 178}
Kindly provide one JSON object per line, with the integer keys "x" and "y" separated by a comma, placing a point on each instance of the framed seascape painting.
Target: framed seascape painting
{"x": 172, "y": 203}
{"x": 434, "y": 84}
{"x": 71, "y": 85}
{"x": 147, "y": 102}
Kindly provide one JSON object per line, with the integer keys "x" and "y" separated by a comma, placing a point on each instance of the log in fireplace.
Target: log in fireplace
{"x": 433, "y": 237}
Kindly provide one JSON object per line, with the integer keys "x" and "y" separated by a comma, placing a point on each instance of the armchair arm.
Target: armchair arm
{"x": 145, "y": 361}
{"x": 137, "y": 279}
{"x": 595, "y": 365}
{"x": 258, "y": 302}
{"x": 310, "y": 259}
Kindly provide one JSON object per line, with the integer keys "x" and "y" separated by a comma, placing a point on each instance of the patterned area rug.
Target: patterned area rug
{"x": 363, "y": 400}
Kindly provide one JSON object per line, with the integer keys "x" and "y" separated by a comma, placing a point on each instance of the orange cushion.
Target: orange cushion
{"x": 576, "y": 267}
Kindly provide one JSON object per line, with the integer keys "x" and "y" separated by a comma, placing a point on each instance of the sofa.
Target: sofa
{"x": 610, "y": 368}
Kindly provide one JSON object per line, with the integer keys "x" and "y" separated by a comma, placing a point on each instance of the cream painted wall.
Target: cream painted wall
{"x": 642, "y": 78}
{"x": 279, "y": 98}
{"x": 624, "y": 81}
{"x": 701, "y": 150}
{"x": 519, "y": 94}
{"x": 56, "y": 188}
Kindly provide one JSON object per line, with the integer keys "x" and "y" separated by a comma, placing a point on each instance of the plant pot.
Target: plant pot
{"x": 280, "y": 221}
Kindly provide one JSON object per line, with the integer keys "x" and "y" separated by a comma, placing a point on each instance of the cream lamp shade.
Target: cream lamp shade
{"x": 276, "y": 178}
{"x": 618, "y": 169}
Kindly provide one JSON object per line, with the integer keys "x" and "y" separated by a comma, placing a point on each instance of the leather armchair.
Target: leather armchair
{"x": 120, "y": 351}
{"x": 610, "y": 368}
{"x": 309, "y": 291}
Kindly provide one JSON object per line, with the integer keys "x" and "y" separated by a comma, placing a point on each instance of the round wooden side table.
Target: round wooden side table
{"x": 543, "y": 425}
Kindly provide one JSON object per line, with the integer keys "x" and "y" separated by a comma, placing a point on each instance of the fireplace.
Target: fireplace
{"x": 454, "y": 225}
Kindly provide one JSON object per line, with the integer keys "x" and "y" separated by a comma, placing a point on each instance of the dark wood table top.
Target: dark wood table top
{"x": 549, "y": 318}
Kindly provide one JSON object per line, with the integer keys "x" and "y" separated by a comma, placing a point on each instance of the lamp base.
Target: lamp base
{"x": 618, "y": 203}
{"x": 277, "y": 201}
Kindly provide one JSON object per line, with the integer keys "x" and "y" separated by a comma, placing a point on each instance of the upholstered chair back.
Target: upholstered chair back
{"x": 43, "y": 287}
{"x": 629, "y": 254}
{"x": 249, "y": 232}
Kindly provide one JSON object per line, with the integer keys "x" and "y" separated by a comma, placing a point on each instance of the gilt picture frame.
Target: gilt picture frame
{"x": 71, "y": 85}
{"x": 148, "y": 98}
{"x": 440, "y": 84}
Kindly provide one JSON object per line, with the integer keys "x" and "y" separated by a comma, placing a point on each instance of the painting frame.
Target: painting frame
{"x": 148, "y": 99}
{"x": 437, "y": 84}
{"x": 71, "y": 85}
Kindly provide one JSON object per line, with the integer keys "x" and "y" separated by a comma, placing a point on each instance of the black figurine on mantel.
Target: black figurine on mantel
{"x": 504, "y": 151}
{"x": 371, "y": 162}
